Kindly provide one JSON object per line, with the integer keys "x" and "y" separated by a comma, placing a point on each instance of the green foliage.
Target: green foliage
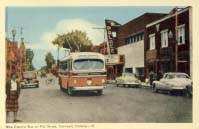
{"x": 49, "y": 60}
{"x": 75, "y": 41}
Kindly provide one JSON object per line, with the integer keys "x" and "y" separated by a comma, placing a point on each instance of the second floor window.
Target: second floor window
{"x": 164, "y": 38}
{"x": 151, "y": 41}
{"x": 181, "y": 34}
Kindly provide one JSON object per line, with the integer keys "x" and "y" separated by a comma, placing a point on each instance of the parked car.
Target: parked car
{"x": 128, "y": 79}
{"x": 29, "y": 79}
{"x": 174, "y": 81}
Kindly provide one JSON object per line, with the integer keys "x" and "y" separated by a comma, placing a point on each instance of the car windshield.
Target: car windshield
{"x": 181, "y": 76}
{"x": 128, "y": 74}
{"x": 171, "y": 76}
{"x": 88, "y": 64}
{"x": 29, "y": 75}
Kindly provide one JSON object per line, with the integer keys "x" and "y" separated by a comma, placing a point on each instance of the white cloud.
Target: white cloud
{"x": 64, "y": 26}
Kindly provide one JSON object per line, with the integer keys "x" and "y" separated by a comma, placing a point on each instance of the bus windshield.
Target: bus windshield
{"x": 87, "y": 64}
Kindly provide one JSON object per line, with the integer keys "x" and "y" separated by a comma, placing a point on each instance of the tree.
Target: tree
{"x": 29, "y": 58}
{"x": 75, "y": 41}
{"x": 49, "y": 60}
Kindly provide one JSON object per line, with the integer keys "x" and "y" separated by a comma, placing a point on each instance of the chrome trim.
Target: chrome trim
{"x": 89, "y": 88}
{"x": 93, "y": 76}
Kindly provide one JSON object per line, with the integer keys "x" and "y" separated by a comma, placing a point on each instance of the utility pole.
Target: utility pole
{"x": 176, "y": 44}
{"x": 176, "y": 38}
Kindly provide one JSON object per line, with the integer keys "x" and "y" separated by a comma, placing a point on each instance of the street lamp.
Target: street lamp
{"x": 14, "y": 33}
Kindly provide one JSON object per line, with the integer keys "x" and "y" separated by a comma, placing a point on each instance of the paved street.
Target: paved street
{"x": 48, "y": 104}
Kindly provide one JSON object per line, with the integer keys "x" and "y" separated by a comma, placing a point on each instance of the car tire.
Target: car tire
{"x": 189, "y": 91}
{"x": 22, "y": 86}
{"x": 99, "y": 92}
{"x": 155, "y": 90}
{"x": 37, "y": 86}
{"x": 69, "y": 91}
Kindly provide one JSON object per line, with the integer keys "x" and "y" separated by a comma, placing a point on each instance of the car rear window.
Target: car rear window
{"x": 29, "y": 75}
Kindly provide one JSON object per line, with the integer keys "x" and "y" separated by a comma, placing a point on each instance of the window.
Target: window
{"x": 88, "y": 64}
{"x": 128, "y": 70}
{"x": 181, "y": 34}
{"x": 140, "y": 71}
{"x": 151, "y": 41}
{"x": 114, "y": 34}
{"x": 164, "y": 38}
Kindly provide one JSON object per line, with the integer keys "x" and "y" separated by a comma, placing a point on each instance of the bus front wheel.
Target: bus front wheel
{"x": 99, "y": 92}
{"x": 69, "y": 91}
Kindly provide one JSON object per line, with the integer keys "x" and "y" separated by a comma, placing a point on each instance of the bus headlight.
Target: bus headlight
{"x": 103, "y": 80}
{"x": 74, "y": 81}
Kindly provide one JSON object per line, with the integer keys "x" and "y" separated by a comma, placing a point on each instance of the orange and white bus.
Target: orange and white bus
{"x": 82, "y": 71}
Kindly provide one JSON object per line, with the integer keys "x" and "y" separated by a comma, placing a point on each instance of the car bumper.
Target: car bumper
{"x": 178, "y": 88}
{"x": 131, "y": 83}
{"x": 32, "y": 84}
{"x": 89, "y": 88}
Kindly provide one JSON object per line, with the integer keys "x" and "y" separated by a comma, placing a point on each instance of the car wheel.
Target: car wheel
{"x": 22, "y": 86}
{"x": 69, "y": 91}
{"x": 99, "y": 92}
{"x": 155, "y": 90}
{"x": 125, "y": 85}
{"x": 189, "y": 91}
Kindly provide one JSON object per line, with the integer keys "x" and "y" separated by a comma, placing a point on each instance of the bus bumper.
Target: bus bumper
{"x": 89, "y": 88}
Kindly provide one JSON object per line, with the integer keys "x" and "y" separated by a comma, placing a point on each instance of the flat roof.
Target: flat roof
{"x": 167, "y": 17}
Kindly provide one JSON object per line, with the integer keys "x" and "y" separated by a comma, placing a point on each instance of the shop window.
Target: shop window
{"x": 140, "y": 71}
{"x": 129, "y": 70}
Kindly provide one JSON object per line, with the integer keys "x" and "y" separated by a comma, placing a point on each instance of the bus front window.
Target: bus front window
{"x": 84, "y": 64}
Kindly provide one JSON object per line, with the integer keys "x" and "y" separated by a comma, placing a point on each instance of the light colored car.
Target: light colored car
{"x": 128, "y": 79}
{"x": 174, "y": 81}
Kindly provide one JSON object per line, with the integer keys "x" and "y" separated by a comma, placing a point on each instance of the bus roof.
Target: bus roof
{"x": 79, "y": 55}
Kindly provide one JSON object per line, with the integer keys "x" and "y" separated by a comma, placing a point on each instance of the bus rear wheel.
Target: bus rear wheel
{"x": 99, "y": 92}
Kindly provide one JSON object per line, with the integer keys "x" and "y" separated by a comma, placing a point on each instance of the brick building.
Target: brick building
{"x": 161, "y": 45}
{"x": 15, "y": 58}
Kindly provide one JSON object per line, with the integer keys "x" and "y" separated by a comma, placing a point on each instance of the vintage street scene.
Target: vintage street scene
{"x": 99, "y": 64}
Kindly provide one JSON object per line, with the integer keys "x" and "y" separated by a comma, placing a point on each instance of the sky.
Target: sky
{"x": 42, "y": 24}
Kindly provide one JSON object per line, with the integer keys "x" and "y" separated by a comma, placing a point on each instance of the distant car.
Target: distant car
{"x": 174, "y": 81}
{"x": 29, "y": 79}
{"x": 43, "y": 74}
{"x": 128, "y": 79}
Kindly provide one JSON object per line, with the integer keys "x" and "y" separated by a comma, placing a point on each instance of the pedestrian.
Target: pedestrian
{"x": 151, "y": 77}
{"x": 12, "y": 96}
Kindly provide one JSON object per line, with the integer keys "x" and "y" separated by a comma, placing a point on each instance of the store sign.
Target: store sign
{"x": 111, "y": 27}
{"x": 112, "y": 59}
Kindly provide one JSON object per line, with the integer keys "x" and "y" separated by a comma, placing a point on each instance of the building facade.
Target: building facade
{"x": 168, "y": 44}
{"x": 131, "y": 42}
{"x": 15, "y": 58}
